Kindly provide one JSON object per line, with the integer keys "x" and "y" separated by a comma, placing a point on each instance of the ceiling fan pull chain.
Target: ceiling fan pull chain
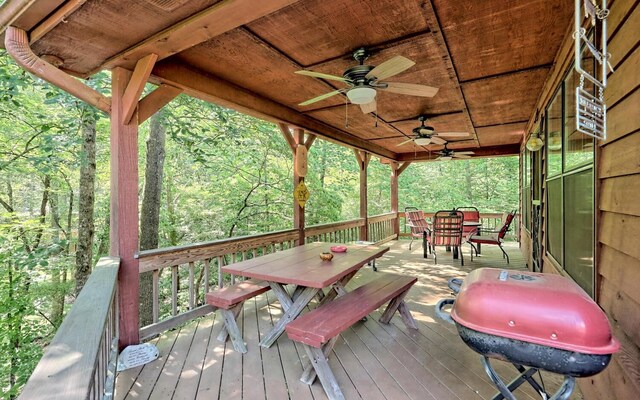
{"x": 376, "y": 124}
{"x": 346, "y": 114}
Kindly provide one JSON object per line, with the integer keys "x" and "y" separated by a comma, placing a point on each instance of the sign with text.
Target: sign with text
{"x": 136, "y": 355}
{"x": 591, "y": 114}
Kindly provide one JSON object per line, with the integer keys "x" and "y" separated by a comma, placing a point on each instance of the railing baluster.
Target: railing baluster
{"x": 174, "y": 290}
{"x": 220, "y": 278}
{"x": 192, "y": 289}
{"x": 156, "y": 296}
{"x": 207, "y": 269}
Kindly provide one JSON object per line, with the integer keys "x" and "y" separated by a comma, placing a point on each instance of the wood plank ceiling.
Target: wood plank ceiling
{"x": 489, "y": 60}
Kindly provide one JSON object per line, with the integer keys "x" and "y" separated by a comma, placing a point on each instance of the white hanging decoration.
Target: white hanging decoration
{"x": 591, "y": 111}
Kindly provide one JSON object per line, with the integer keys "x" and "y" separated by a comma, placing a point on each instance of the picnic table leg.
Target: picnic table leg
{"x": 309, "y": 374}
{"x": 224, "y": 333}
{"x": 291, "y": 310}
{"x": 398, "y": 304}
{"x": 323, "y": 370}
{"x": 334, "y": 292}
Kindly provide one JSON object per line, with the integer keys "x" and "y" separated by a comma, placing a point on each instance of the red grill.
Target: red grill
{"x": 542, "y": 321}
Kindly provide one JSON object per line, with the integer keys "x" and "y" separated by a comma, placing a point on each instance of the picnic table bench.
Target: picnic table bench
{"x": 318, "y": 329}
{"x": 229, "y": 301}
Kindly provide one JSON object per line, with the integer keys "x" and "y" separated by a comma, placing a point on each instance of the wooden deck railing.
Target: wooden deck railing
{"x": 380, "y": 227}
{"x": 80, "y": 362}
{"x": 178, "y": 295}
{"x": 337, "y": 232}
{"x": 489, "y": 221}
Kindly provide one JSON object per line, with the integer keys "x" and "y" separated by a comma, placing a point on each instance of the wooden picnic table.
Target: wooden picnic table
{"x": 301, "y": 266}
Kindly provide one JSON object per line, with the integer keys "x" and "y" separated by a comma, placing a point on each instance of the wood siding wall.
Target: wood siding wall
{"x": 617, "y": 211}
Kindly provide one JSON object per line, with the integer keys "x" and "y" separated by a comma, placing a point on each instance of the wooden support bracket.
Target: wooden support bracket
{"x": 136, "y": 85}
{"x": 288, "y": 136}
{"x": 310, "y": 139}
{"x": 403, "y": 166}
{"x": 155, "y": 100}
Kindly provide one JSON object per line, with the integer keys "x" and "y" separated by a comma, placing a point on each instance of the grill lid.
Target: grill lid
{"x": 545, "y": 309}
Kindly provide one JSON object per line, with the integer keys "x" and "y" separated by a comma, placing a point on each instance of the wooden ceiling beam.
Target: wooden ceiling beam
{"x": 213, "y": 89}
{"x": 155, "y": 100}
{"x": 136, "y": 85}
{"x": 222, "y": 17}
{"x": 482, "y": 152}
{"x": 48, "y": 24}
{"x": 434, "y": 23}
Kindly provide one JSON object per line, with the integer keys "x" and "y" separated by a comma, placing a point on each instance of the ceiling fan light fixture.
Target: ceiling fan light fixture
{"x": 361, "y": 95}
{"x": 446, "y": 158}
{"x": 422, "y": 141}
{"x": 534, "y": 143}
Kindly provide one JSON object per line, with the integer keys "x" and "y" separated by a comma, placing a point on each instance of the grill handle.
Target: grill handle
{"x": 443, "y": 314}
{"x": 454, "y": 284}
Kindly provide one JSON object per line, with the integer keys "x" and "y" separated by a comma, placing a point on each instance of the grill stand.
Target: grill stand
{"x": 526, "y": 375}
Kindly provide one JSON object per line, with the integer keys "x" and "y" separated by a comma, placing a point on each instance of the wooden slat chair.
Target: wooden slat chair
{"x": 470, "y": 214}
{"x": 446, "y": 230}
{"x": 318, "y": 329}
{"x": 495, "y": 237}
{"x": 229, "y": 301}
{"x": 416, "y": 222}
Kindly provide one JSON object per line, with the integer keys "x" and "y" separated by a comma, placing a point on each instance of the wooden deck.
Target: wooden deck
{"x": 370, "y": 361}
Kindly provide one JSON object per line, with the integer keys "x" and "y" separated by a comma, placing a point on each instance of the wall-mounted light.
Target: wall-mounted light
{"x": 534, "y": 143}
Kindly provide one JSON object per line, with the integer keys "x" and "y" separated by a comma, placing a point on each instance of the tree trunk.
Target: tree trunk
{"x": 150, "y": 211}
{"x": 84, "y": 251}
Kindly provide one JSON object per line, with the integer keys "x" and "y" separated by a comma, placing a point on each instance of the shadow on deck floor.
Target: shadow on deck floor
{"x": 370, "y": 361}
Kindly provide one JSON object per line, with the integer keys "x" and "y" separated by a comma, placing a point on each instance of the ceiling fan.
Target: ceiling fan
{"x": 448, "y": 154}
{"x": 425, "y": 135}
{"x": 365, "y": 80}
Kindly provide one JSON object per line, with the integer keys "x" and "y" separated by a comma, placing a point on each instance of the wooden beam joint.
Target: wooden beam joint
{"x": 155, "y": 100}
{"x": 136, "y": 85}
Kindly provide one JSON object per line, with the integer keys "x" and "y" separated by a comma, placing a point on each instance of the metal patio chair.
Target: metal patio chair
{"x": 446, "y": 230}
{"x": 495, "y": 237}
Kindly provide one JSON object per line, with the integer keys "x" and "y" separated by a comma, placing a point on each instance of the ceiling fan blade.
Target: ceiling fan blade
{"x": 321, "y": 97}
{"x": 426, "y": 131}
{"x": 405, "y": 142}
{"x": 411, "y": 89}
{"x": 465, "y": 153}
{"x": 321, "y": 75}
{"x": 453, "y": 134}
{"x": 390, "y": 68}
{"x": 437, "y": 140}
{"x": 369, "y": 107}
{"x": 456, "y": 155}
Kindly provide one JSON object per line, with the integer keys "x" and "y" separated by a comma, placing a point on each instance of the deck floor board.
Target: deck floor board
{"x": 370, "y": 360}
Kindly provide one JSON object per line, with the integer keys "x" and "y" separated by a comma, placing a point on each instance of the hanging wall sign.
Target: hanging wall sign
{"x": 301, "y": 160}
{"x": 591, "y": 114}
{"x": 301, "y": 194}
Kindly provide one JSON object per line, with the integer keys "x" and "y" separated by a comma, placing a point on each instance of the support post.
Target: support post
{"x": 363, "y": 159}
{"x": 124, "y": 208}
{"x": 394, "y": 198}
{"x": 396, "y": 170}
{"x": 298, "y": 212}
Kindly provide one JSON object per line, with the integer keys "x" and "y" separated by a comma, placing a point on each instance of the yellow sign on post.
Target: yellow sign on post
{"x": 301, "y": 193}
